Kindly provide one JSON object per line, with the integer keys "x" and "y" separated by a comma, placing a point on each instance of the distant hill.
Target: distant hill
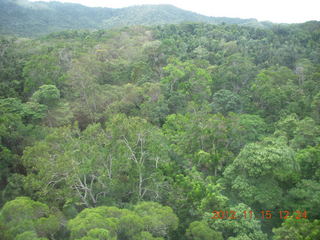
{"x": 24, "y": 18}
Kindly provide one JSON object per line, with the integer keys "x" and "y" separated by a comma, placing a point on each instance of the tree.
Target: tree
{"x": 146, "y": 236}
{"x": 200, "y": 139}
{"x": 17, "y": 130}
{"x": 186, "y": 81}
{"x": 154, "y": 107}
{"x": 29, "y": 236}
{"x": 90, "y": 221}
{"x": 300, "y": 133}
{"x": 286, "y": 126}
{"x": 57, "y": 111}
{"x": 147, "y": 221}
{"x": 47, "y": 95}
{"x": 86, "y": 93}
{"x": 28, "y": 219}
{"x": 43, "y": 69}
{"x": 158, "y": 220}
{"x": 201, "y": 231}
{"x": 315, "y": 105}
{"x": 191, "y": 195}
{"x": 98, "y": 234}
{"x": 11, "y": 58}
{"x": 51, "y": 169}
{"x": 235, "y": 74}
{"x": 296, "y": 229}
{"x": 305, "y": 197}
{"x": 306, "y": 134}
{"x": 121, "y": 163}
{"x": 254, "y": 170}
{"x": 244, "y": 129}
{"x": 143, "y": 151}
{"x": 224, "y": 101}
{"x": 309, "y": 161}
{"x": 240, "y": 228}
{"x": 273, "y": 89}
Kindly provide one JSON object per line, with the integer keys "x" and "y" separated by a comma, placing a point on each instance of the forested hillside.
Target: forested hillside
{"x": 27, "y": 19}
{"x": 146, "y": 133}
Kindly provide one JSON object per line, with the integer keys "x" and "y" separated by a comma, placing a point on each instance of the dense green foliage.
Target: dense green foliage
{"x": 142, "y": 132}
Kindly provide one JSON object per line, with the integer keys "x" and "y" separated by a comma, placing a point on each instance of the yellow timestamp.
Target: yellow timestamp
{"x": 263, "y": 214}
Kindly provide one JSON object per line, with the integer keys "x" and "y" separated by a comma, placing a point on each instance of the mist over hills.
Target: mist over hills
{"x": 24, "y": 18}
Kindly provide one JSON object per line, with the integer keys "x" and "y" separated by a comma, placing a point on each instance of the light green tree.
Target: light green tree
{"x": 296, "y": 229}
{"x": 28, "y": 219}
{"x": 269, "y": 164}
{"x": 158, "y": 220}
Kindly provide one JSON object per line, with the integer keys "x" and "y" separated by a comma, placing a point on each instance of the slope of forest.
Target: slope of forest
{"x": 144, "y": 133}
{"x": 24, "y": 18}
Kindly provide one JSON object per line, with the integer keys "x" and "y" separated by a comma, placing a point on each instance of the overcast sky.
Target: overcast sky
{"x": 280, "y": 11}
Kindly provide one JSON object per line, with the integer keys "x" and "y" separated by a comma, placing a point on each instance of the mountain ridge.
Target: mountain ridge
{"x": 27, "y": 19}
